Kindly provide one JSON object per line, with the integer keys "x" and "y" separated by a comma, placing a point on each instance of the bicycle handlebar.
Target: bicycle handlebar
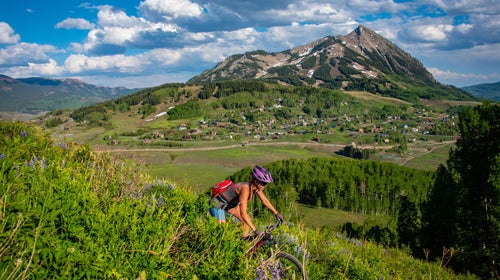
{"x": 270, "y": 227}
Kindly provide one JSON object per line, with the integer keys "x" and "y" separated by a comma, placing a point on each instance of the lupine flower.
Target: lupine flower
{"x": 159, "y": 202}
{"x": 2, "y": 156}
{"x": 24, "y": 134}
{"x": 62, "y": 145}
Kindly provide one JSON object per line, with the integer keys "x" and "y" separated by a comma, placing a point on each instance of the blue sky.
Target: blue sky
{"x": 152, "y": 42}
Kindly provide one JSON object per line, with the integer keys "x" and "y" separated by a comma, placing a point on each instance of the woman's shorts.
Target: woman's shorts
{"x": 218, "y": 213}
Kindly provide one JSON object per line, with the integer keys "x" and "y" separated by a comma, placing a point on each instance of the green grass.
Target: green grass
{"x": 324, "y": 217}
{"x": 202, "y": 168}
{"x": 431, "y": 159}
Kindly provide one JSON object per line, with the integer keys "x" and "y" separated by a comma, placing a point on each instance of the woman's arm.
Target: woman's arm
{"x": 266, "y": 202}
{"x": 244, "y": 195}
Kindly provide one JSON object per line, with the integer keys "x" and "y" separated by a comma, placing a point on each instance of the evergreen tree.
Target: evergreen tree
{"x": 439, "y": 215}
{"x": 408, "y": 223}
{"x": 476, "y": 160}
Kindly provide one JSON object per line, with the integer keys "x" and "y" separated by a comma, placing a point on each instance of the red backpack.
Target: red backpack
{"x": 220, "y": 187}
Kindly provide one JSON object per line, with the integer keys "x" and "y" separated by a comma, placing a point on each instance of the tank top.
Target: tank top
{"x": 232, "y": 197}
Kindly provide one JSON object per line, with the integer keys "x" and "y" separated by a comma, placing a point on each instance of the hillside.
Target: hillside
{"x": 35, "y": 95}
{"x": 489, "y": 91}
{"x": 257, "y": 111}
{"x": 362, "y": 60}
{"x": 71, "y": 212}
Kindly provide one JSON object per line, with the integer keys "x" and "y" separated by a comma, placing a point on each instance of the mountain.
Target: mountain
{"x": 362, "y": 60}
{"x": 35, "y": 94}
{"x": 489, "y": 91}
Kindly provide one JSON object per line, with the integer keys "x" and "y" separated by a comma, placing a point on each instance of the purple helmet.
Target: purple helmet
{"x": 261, "y": 174}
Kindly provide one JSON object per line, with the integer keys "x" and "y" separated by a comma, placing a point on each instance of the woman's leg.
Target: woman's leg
{"x": 236, "y": 212}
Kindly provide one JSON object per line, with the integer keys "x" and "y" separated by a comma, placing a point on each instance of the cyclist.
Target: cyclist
{"x": 237, "y": 197}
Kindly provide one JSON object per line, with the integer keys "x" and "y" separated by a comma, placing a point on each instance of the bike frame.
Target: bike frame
{"x": 263, "y": 237}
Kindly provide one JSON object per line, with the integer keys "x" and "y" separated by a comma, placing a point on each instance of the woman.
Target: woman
{"x": 235, "y": 200}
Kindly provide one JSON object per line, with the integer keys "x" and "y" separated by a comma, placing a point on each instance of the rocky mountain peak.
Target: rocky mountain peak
{"x": 332, "y": 61}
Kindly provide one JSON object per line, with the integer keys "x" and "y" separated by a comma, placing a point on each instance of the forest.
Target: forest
{"x": 360, "y": 186}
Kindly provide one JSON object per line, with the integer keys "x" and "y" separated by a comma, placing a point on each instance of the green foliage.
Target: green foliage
{"x": 184, "y": 111}
{"x": 354, "y": 152}
{"x": 53, "y": 122}
{"x": 309, "y": 62}
{"x": 286, "y": 70}
{"x": 323, "y": 73}
{"x": 472, "y": 182}
{"x": 360, "y": 186}
{"x": 146, "y": 110}
{"x": 408, "y": 223}
{"x": 97, "y": 114}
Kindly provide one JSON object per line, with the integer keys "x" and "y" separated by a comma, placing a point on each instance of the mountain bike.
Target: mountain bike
{"x": 276, "y": 264}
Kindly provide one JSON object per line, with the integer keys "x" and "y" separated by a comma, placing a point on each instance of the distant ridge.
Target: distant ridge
{"x": 362, "y": 60}
{"x": 35, "y": 94}
{"x": 489, "y": 91}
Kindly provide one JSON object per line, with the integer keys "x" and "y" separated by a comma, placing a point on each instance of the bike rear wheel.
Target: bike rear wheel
{"x": 282, "y": 266}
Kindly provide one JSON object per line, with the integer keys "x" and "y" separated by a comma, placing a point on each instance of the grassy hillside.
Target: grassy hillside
{"x": 69, "y": 212}
{"x": 237, "y": 124}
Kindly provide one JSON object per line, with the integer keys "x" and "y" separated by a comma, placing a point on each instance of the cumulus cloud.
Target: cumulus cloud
{"x": 170, "y": 8}
{"x": 49, "y": 68}
{"x": 427, "y": 33}
{"x": 24, "y": 53}
{"x": 75, "y": 23}
{"x": 79, "y": 63}
{"x": 7, "y": 34}
{"x": 117, "y": 31}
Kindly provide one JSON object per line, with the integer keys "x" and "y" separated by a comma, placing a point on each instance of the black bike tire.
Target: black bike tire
{"x": 295, "y": 261}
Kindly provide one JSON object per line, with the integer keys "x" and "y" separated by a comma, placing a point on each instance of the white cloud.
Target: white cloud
{"x": 78, "y": 63}
{"x": 46, "y": 69}
{"x": 36, "y": 69}
{"x": 112, "y": 17}
{"x": 171, "y": 8}
{"x": 75, "y": 23}
{"x": 429, "y": 33}
{"x": 117, "y": 31}
{"x": 304, "y": 12}
{"x": 23, "y": 53}
{"x": 7, "y": 34}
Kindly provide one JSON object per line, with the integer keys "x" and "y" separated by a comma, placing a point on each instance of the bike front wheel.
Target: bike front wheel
{"x": 281, "y": 266}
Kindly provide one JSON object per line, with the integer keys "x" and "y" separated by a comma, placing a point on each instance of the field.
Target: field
{"x": 200, "y": 167}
